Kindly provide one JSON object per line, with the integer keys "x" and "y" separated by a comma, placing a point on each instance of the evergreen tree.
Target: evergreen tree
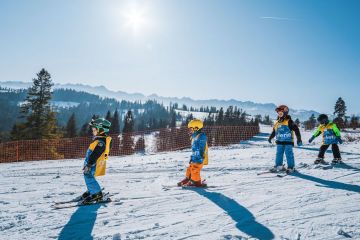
{"x": 311, "y": 123}
{"x": 127, "y": 139}
{"x": 267, "y": 120}
{"x": 40, "y": 121}
{"x": 220, "y": 117}
{"x": 71, "y": 127}
{"x": 108, "y": 116}
{"x": 354, "y": 122}
{"x": 297, "y": 122}
{"x": 115, "y": 123}
{"x": 173, "y": 119}
{"x": 128, "y": 122}
{"x": 340, "y": 108}
{"x": 339, "y": 112}
{"x": 84, "y": 130}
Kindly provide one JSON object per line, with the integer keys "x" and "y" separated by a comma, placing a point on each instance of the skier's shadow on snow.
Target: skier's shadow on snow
{"x": 80, "y": 224}
{"x": 328, "y": 183}
{"x": 245, "y": 220}
{"x": 327, "y": 151}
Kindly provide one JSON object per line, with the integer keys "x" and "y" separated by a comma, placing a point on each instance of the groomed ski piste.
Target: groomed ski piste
{"x": 314, "y": 203}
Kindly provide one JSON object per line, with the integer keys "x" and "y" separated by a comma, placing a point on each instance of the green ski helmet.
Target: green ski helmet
{"x": 101, "y": 124}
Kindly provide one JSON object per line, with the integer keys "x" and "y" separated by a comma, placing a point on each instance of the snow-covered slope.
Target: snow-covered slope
{"x": 313, "y": 204}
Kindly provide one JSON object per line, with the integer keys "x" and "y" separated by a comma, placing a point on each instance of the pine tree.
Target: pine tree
{"x": 354, "y": 122}
{"x": 340, "y": 111}
{"x": 340, "y": 108}
{"x": 84, "y": 130}
{"x": 220, "y": 117}
{"x": 127, "y": 140}
{"x": 40, "y": 121}
{"x": 310, "y": 124}
{"x": 71, "y": 127}
{"x": 173, "y": 119}
{"x": 267, "y": 120}
{"x": 115, "y": 123}
{"x": 108, "y": 116}
{"x": 128, "y": 122}
{"x": 297, "y": 122}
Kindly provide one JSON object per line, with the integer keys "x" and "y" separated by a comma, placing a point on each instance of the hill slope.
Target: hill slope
{"x": 313, "y": 204}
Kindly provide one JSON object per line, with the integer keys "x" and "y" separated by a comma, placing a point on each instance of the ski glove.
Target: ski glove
{"x": 311, "y": 139}
{"x": 87, "y": 170}
{"x": 269, "y": 140}
{"x": 340, "y": 140}
{"x": 299, "y": 143}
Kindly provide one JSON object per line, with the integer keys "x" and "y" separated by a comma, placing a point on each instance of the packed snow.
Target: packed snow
{"x": 315, "y": 203}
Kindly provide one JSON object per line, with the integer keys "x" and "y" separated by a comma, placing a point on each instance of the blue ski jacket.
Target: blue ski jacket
{"x": 198, "y": 144}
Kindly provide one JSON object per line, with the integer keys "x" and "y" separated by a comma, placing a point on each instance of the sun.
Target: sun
{"x": 135, "y": 19}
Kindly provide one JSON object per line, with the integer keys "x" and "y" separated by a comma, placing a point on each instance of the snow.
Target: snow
{"x": 63, "y": 104}
{"x": 314, "y": 204}
{"x": 198, "y": 115}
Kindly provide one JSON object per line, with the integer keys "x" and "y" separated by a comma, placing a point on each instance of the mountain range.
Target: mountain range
{"x": 249, "y": 106}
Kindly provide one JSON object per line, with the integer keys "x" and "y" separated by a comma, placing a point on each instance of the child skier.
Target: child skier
{"x": 199, "y": 156}
{"x": 283, "y": 130}
{"x": 95, "y": 160}
{"x": 331, "y": 136}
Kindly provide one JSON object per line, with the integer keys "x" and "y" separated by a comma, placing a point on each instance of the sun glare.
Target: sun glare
{"x": 135, "y": 19}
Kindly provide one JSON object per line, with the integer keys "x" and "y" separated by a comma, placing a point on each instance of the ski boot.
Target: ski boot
{"x": 320, "y": 161}
{"x": 277, "y": 169}
{"x": 93, "y": 198}
{"x": 290, "y": 170}
{"x": 336, "y": 161}
{"x": 183, "y": 182}
{"x": 85, "y": 195}
{"x": 192, "y": 183}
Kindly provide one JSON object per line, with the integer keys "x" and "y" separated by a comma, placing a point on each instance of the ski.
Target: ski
{"x": 284, "y": 174}
{"x": 77, "y": 199}
{"x": 73, "y": 203}
{"x": 281, "y": 175}
{"x": 194, "y": 187}
{"x": 265, "y": 172}
{"x": 269, "y": 172}
{"x": 80, "y": 204}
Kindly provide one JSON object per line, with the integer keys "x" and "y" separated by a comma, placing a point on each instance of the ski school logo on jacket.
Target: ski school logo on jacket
{"x": 329, "y": 137}
{"x": 198, "y": 145}
{"x": 283, "y": 132}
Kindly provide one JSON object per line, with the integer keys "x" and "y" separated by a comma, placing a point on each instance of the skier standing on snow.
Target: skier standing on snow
{"x": 283, "y": 130}
{"x": 95, "y": 160}
{"x": 199, "y": 156}
{"x": 331, "y": 136}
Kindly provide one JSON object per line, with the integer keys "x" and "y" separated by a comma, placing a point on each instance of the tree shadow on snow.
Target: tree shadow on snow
{"x": 328, "y": 183}
{"x": 245, "y": 220}
{"x": 80, "y": 224}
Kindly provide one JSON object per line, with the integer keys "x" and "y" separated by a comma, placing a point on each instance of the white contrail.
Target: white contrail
{"x": 280, "y": 18}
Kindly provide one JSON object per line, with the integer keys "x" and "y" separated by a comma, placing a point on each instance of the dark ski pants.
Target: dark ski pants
{"x": 335, "y": 150}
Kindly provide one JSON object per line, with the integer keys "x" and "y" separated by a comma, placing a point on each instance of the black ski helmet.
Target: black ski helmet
{"x": 323, "y": 118}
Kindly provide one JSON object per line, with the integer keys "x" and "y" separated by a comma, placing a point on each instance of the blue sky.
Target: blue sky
{"x": 302, "y": 53}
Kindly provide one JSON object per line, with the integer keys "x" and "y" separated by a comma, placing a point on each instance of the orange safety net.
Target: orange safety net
{"x": 162, "y": 140}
